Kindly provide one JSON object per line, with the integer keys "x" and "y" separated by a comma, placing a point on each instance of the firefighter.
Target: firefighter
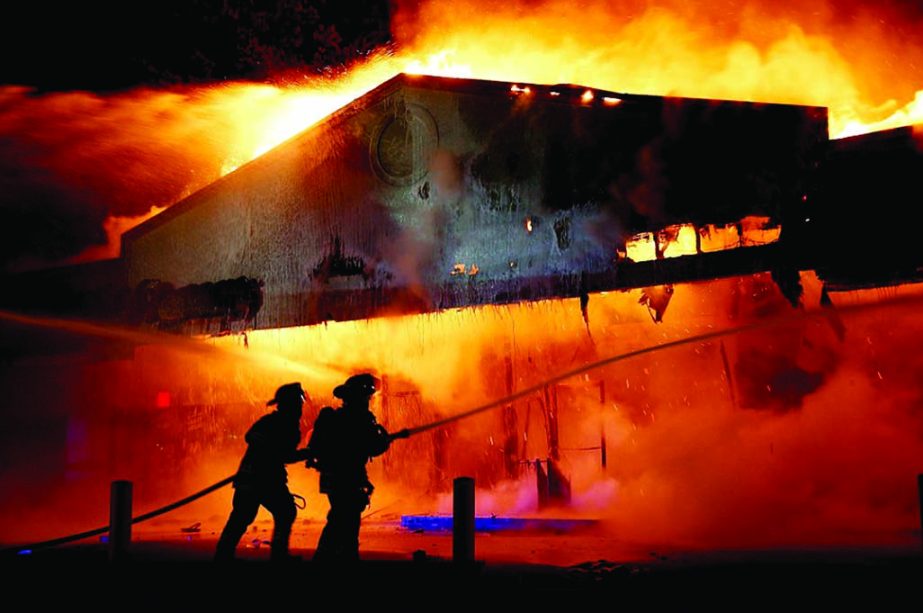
{"x": 343, "y": 442}
{"x": 272, "y": 442}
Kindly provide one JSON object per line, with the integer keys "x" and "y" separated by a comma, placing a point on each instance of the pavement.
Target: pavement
{"x": 174, "y": 570}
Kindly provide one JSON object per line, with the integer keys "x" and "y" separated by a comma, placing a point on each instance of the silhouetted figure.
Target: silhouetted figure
{"x": 272, "y": 442}
{"x": 343, "y": 441}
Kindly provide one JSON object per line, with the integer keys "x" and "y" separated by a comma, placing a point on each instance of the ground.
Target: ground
{"x": 171, "y": 567}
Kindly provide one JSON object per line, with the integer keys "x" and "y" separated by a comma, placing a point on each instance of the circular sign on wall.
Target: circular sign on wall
{"x": 403, "y": 144}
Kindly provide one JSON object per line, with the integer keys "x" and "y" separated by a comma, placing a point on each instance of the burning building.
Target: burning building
{"x": 473, "y": 239}
{"x": 431, "y": 193}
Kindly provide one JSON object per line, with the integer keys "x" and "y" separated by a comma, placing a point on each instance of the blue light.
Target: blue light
{"x": 443, "y": 523}
{"x": 24, "y": 552}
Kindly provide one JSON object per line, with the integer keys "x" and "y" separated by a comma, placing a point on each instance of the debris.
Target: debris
{"x": 656, "y": 299}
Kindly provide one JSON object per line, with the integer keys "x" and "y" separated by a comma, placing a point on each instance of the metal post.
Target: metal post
{"x": 603, "y": 457}
{"x": 463, "y": 520}
{"x": 551, "y": 421}
{"x": 510, "y": 428}
{"x": 119, "y": 520}
{"x": 541, "y": 484}
{"x": 603, "y": 452}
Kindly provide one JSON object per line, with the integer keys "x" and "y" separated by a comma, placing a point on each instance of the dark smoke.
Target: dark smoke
{"x": 68, "y": 161}
{"x": 108, "y": 46}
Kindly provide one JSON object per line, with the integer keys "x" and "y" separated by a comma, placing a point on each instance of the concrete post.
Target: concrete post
{"x": 463, "y": 520}
{"x": 119, "y": 520}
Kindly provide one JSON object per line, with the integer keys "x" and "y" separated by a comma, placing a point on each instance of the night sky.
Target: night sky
{"x": 102, "y": 46}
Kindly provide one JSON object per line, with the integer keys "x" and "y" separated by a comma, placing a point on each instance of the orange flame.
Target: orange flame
{"x": 662, "y": 51}
{"x": 860, "y": 68}
{"x": 159, "y": 146}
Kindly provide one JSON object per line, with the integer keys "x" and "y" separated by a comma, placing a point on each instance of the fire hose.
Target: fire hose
{"x": 134, "y": 520}
{"x": 480, "y": 409}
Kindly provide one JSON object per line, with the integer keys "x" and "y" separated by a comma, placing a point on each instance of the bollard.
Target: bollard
{"x": 119, "y": 520}
{"x": 463, "y": 520}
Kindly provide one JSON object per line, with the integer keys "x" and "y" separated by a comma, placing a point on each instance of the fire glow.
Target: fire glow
{"x": 663, "y": 51}
{"x": 728, "y": 430}
{"x": 149, "y": 148}
{"x": 725, "y": 431}
{"x": 687, "y": 239}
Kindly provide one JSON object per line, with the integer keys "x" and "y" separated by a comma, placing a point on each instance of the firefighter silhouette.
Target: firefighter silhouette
{"x": 272, "y": 442}
{"x": 343, "y": 442}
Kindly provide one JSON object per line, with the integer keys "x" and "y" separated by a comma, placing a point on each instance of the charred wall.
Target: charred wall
{"x": 431, "y": 193}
